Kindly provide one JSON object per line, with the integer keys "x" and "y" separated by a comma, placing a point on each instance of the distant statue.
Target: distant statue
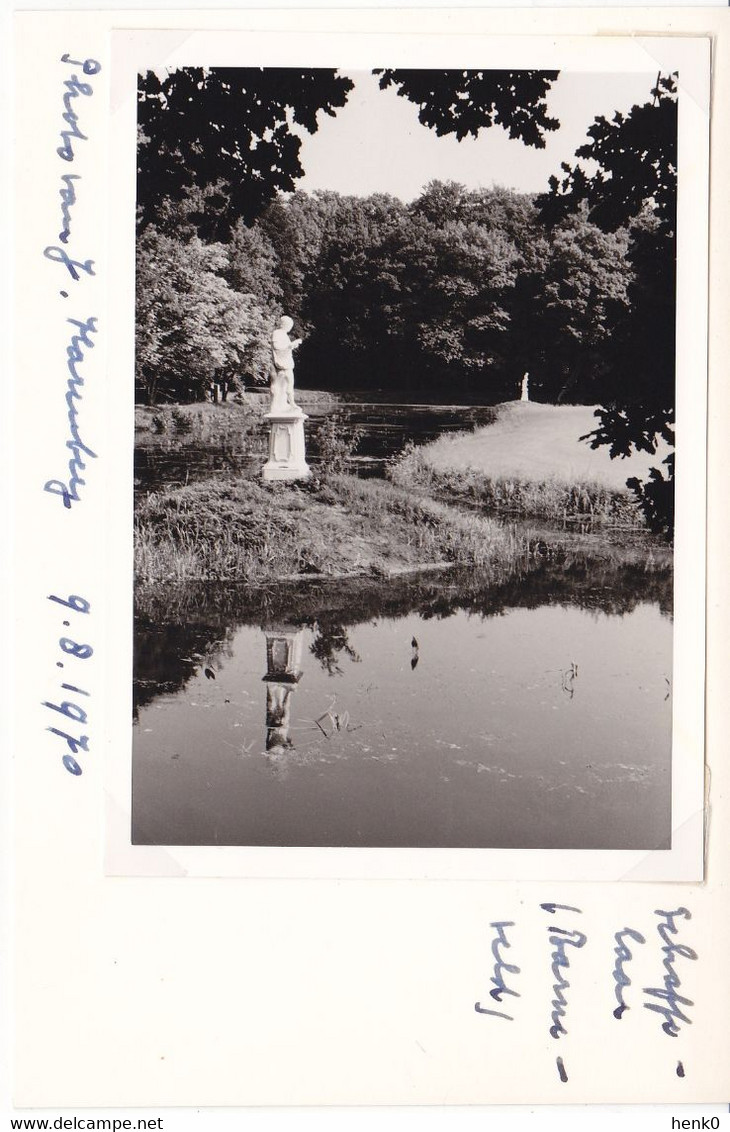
{"x": 525, "y": 395}
{"x": 282, "y": 372}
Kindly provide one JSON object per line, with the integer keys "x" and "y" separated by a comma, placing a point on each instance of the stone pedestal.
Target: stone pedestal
{"x": 287, "y": 457}
{"x": 283, "y": 654}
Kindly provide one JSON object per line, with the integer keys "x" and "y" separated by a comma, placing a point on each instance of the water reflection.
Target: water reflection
{"x": 568, "y": 679}
{"x": 176, "y": 627}
{"x": 542, "y": 727}
{"x": 329, "y": 643}
{"x": 283, "y": 673}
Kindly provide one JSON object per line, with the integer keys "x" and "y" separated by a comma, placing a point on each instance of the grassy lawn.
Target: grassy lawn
{"x": 530, "y": 463}
{"x": 534, "y": 442}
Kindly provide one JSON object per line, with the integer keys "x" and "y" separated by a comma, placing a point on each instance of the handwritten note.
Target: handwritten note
{"x": 564, "y": 940}
{"x": 76, "y": 271}
{"x": 70, "y": 701}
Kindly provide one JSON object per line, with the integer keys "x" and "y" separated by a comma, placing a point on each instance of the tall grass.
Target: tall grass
{"x": 249, "y": 532}
{"x": 550, "y": 499}
{"x": 435, "y": 530}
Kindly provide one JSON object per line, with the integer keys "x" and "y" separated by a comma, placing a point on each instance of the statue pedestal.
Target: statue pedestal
{"x": 287, "y": 457}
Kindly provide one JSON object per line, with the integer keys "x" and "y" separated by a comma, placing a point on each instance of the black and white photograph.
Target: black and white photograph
{"x": 404, "y": 458}
{"x": 368, "y": 702}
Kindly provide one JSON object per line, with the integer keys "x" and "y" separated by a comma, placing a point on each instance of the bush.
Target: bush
{"x": 335, "y": 444}
{"x": 182, "y": 422}
{"x": 656, "y": 499}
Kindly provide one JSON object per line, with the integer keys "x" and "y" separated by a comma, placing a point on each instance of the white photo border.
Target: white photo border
{"x": 135, "y": 51}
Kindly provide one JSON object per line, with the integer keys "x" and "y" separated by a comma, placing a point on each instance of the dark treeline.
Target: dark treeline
{"x": 455, "y": 294}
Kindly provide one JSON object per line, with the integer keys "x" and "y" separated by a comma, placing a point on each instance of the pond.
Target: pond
{"x": 532, "y": 713}
{"x": 385, "y": 429}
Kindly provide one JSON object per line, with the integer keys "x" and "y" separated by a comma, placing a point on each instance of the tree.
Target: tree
{"x": 405, "y": 296}
{"x": 296, "y": 229}
{"x": 199, "y": 211}
{"x": 459, "y": 278}
{"x": 233, "y": 125}
{"x": 190, "y": 325}
{"x": 636, "y": 159}
{"x": 464, "y": 102}
{"x": 441, "y": 201}
{"x": 351, "y": 294}
{"x": 254, "y": 266}
{"x": 633, "y": 181}
{"x": 571, "y": 294}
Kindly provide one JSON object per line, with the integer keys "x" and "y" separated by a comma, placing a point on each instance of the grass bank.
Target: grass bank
{"x": 530, "y": 463}
{"x": 431, "y": 513}
{"x": 247, "y": 531}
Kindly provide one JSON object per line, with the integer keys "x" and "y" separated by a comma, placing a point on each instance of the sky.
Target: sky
{"x": 375, "y": 143}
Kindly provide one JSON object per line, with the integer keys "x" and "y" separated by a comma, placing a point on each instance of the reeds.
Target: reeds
{"x": 551, "y": 499}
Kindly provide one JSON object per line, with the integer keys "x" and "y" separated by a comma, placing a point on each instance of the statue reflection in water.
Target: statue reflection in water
{"x": 283, "y": 673}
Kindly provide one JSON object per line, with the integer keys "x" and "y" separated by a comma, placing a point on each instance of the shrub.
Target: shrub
{"x": 335, "y": 444}
{"x": 182, "y": 422}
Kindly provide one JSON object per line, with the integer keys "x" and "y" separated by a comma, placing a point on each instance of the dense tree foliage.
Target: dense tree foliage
{"x": 181, "y": 295}
{"x": 633, "y": 166}
{"x": 631, "y": 181}
{"x": 465, "y": 102}
{"x": 571, "y": 294}
{"x": 253, "y": 266}
{"x": 461, "y": 292}
{"x": 230, "y": 125}
{"x": 456, "y": 294}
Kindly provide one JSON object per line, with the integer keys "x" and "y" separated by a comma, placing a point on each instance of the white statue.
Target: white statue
{"x": 525, "y": 395}
{"x": 282, "y": 372}
{"x": 287, "y": 447}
